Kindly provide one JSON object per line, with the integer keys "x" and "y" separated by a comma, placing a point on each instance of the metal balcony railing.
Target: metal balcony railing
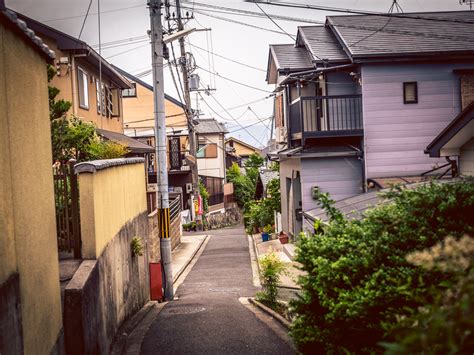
{"x": 326, "y": 116}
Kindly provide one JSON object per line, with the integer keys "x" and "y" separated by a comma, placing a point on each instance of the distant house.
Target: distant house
{"x": 360, "y": 98}
{"x": 30, "y": 301}
{"x": 456, "y": 142}
{"x": 238, "y": 151}
{"x": 139, "y": 124}
{"x": 211, "y": 158}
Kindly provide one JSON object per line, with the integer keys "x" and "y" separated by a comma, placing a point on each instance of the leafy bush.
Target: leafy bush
{"x": 447, "y": 325}
{"x": 244, "y": 188}
{"x": 358, "y": 283}
{"x": 258, "y": 214}
{"x": 271, "y": 267}
{"x": 99, "y": 149}
{"x": 204, "y": 196}
{"x": 136, "y": 246}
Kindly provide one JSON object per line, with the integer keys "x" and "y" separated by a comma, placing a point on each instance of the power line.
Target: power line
{"x": 93, "y": 13}
{"x": 85, "y": 19}
{"x": 354, "y": 11}
{"x": 230, "y": 60}
{"x": 234, "y": 81}
{"x": 274, "y": 22}
{"x": 250, "y": 125}
{"x": 128, "y": 50}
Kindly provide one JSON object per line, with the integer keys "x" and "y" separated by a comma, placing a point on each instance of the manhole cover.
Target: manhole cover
{"x": 185, "y": 310}
{"x": 224, "y": 289}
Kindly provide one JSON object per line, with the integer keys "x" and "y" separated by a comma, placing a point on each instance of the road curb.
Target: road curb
{"x": 270, "y": 312}
{"x": 183, "y": 268}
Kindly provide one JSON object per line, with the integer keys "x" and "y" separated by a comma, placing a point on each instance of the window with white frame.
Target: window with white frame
{"x": 82, "y": 88}
{"x": 132, "y": 92}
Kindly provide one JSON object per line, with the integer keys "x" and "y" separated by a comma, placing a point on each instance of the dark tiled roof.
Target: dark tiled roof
{"x": 322, "y": 44}
{"x": 66, "y": 42}
{"x": 287, "y": 56}
{"x": 29, "y": 35}
{"x": 132, "y": 144}
{"x": 209, "y": 125}
{"x": 146, "y": 85}
{"x": 365, "y": 36}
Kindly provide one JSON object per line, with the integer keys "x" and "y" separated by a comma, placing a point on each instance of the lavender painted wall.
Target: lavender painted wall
{"x": 396, "y": 134}
{"x": 288, "y": 169}
{"x": 341, "y": 177}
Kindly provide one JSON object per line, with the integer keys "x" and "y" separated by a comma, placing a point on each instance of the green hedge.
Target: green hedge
{"x": 359, "y": 285}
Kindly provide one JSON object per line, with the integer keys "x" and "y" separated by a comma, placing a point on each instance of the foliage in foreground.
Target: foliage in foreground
{"x": 359, "y": 286}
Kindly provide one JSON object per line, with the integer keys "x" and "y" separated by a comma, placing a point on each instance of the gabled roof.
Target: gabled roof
{"x": 287, "y": 58}
{"x": 19, "y": 26}
{"x": 364, "y": 37}
{"x": 462, "y": 128}
{"x": 67, "y": 43}
{"x": 209, "y": 125}
{"x": 322, "y": 44}
{"x": 133, "y": 145}
{"x": 147, "y": 86}
{"x": 241, "y": 143}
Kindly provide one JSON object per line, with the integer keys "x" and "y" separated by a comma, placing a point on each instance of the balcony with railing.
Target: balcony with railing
{"x": 326, "y": 116}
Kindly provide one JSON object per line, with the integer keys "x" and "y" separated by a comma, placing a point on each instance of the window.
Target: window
{"x": 108, "y": 104}
{"x": 410, "y": 93}
{"x": 83, "y": 89}
{"x": 207, "y": 150}
{"x": 130, "y": 92}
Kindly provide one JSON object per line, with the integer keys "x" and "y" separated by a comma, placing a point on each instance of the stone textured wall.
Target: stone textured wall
{"x": 230, "y": 217}
{"x": 105, "y": 292}
{"x": 153, "y": 238}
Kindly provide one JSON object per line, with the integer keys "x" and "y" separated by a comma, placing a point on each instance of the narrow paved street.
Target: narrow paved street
{"x": 208, "y": 317}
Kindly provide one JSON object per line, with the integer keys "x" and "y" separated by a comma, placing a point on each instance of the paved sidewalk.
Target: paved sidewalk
{"x": 208, "y": 318}
{"x": 288, "y": 280}
{"x": 184, "y": 252}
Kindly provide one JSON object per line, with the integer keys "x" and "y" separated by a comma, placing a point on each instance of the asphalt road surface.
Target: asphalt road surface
{"x": 208, "y": 317}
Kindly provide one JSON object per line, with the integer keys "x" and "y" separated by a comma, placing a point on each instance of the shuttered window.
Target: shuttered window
{"x": 207, "y": 150}
{"x": 279, "y": 122}
{"x": 410, "y": 93}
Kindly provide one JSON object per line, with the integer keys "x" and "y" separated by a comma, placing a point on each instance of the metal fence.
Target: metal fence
{"x": 66, "y": 198}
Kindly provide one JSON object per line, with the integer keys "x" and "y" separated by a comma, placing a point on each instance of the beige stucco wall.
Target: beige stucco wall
{"x": 241, "y": 149}
{"x": 212, "y": 166}
{"x": 138, "y": 111}
{"x": 28, "y": 227}
{"x": 109, "y": 198}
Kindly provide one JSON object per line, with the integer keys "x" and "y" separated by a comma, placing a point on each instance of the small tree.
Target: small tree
{"x": 271, "y": 268}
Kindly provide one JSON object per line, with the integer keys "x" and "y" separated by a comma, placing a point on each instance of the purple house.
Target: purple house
{"x": 358, "y": 100}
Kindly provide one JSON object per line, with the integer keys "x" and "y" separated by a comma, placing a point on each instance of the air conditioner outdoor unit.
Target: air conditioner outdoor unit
{"x": 281, "y": 135}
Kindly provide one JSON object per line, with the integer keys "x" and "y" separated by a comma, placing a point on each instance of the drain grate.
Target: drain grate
{"x": 185, "y": 310}
{"x": 224, "y": 289}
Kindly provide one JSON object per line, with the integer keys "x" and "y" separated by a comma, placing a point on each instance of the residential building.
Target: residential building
{"x": 30, "y": 301}
{"x": 359, "y": 99}
{"x": 139, "y": 123}
{"x": 456, "y": 143}
{"x": 84, "y": 78}
{"x": 211, "y": 159}
{"x": 238, "y": 151}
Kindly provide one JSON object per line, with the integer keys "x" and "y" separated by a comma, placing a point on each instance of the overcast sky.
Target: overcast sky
{"x": 123, "y": 19}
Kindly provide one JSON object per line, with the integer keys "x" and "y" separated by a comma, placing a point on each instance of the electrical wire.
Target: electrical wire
{"x": 85, "y": 19}
{"x": 234, "y": 81}
{"x": 128, "y": 50}
{"x": 276, "y": 24}
{"x": 230, "y": 60}
{"x": 93, "y": 13}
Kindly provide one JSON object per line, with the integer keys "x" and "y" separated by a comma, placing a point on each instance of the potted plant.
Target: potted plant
{"x": 283, "y": 238}
{"x": 266, "y": 233}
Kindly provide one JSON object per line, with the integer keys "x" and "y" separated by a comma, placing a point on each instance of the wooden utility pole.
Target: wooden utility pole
{"x": 189, "y": 115}
{"x": 162, "y": 198}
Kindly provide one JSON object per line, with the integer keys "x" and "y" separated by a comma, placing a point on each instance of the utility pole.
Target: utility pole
{"x": 189, "y": 115}
{"x": 162, "y": 198}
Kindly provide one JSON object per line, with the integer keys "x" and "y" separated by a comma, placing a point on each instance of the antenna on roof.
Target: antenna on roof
{"x": 396, "y": 7}
{"x": 467, "y": 2}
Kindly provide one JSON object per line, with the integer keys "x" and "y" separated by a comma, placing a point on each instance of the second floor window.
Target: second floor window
{"x": 82, "y": 88}
{"x": 130, "y": 92}
{"x": 410, "y": 93}
{"x": 108, "y": 104}
{"x": 207, "y": 150}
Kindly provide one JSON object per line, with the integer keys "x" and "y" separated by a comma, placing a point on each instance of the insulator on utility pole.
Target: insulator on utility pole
{"x": 162, "y": 198}
{"x": 189, "y": 115}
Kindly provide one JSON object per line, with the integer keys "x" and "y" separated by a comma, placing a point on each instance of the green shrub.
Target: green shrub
{"x": 204, "y": 196}
{"x": 271, "y": 267}
{"x": 358, "y": 283}
{"x": 136, "y": 246}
